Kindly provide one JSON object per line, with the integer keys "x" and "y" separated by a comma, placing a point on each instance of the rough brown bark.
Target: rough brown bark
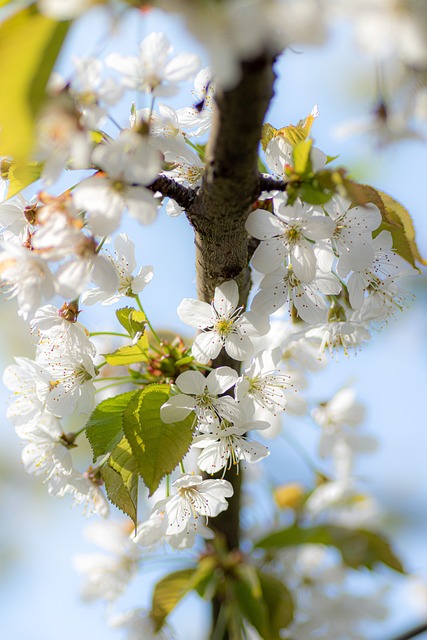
{"x": 232, "y": 182}
{"x": 218, "y": 214}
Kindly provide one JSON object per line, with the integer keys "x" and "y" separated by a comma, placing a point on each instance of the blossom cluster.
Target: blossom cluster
{"x": 330, "y": 266}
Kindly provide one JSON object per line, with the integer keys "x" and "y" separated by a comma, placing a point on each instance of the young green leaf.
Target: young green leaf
{"x": 168, "y": 592}
{"x": 158, "y": 447}
{"x": 119, "y": 494}
{"x": 301, "y": 157}
{"x": 249, "y": 599}
{"x": 132, "y": 354}
{"x": 104, "y": 428}
{"x": 124, "y": 496}
{"x": 278, "y": 601}
{"x": 20, "y": 175}
{"x": 132, "y": 320}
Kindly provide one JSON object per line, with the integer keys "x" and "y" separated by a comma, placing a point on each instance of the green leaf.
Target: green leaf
{"x": 263, "y": 600}
{"x": 358, "y": 547}
{"x": 132, "y": 321}
{"x": 168, "y": 592}
{"x": 104, "y": 428}
{"x": 278, "y": 601}
{"x": 268, "y": 133}
{"x": 249, "y": 598}
{"x": 301, "y": 157}
{"x": 132, "y": 354}
{"x": 158, "y": 447}
{"x": 124, "y": 496}
{"x": 399, "y": 222}
{"x": 119, "y": 494}
{"x": 29, "y": 45}
{"x": 314, "y": 193}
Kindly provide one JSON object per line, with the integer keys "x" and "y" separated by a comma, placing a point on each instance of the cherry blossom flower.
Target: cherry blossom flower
{"x": 45, "y": 452}
{"x": 195, "y": 497}
{"x": 200, "y": 394}
{"x": 60, "y": 327}
{"x": 154, "y": 71}
{"x": 128, "y": 161}
{"x": 124, "y": 264}
{"x": 263, "y": 384}
{"x": 107, "y": 574}
{"x": 353, "y": 230}
{"x": 286, "y": 238}
{"x": 71, "y": 386}
{"x": 26, "y": 277}
{"x": 223, "y": 324}
{"x": 226, "y": 445}
{"x": 30, "y": 383}
{"x": 154, "y": 531}
{"x": 283, "y": 285}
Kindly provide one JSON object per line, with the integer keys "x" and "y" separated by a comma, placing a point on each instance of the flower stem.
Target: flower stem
{"x": 108, "y": 333}
{"x": 148, "y": 322}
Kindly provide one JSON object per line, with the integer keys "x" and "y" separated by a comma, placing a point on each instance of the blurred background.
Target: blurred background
{"x": 39, "y": 590}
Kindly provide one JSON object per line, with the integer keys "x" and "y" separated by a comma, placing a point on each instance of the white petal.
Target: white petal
{"x": 269, "y": 255}
{"x": 191, "y": 382}
{"x": 196, "y": 313}
{"x": 220, "y": 380}
{"x": 262, "y": 224}
{"x": 206, "y": 347}
{"x": 238, "y": 347}
{"x": 226, "y": 298}
{"x": 177, "y": 408}
{"x": 303, "y": 262}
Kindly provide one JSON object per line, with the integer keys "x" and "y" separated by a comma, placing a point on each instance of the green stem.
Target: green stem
{"x": 181, "y": 466}
{"x": 110, "y": 386}
{"x": 108, "y": 333}
{"x": 168, "y": 485}
{"x": 138, "y": 301}
{"x": 100, "y": 245}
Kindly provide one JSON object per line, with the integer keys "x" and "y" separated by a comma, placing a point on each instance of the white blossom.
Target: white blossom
{"x": 223, "y": 324}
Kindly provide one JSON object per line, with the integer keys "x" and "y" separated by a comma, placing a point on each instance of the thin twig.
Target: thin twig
{"x": 183, "y": 196}
{"x": 271, "y": 184}
{"x": 416, "y": 631}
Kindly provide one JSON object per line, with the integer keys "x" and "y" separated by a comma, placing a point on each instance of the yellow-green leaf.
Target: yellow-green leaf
{"x": 123, "y": 462}
{"x": 396, "y": 219}
{"x": 168, "y": 592}
{"x": 118, "y": 492}
{"x": 301, "y": 156}
{"x": 132, "y": 321}
{"x": 29, "y": 46}
{"x": 297, "y": 133}
{"x": 129, "y": 355}
{"x": 268, "y": 133}
{"x": 402, "y": 229}
{"x": 21, "y": 175}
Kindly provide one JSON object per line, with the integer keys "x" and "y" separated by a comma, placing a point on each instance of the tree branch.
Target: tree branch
{"x": 271, "y": 184}
{"x": 416, "y": 631}
{"x": 183, "y": 196}
{"x": 231, "y": 182}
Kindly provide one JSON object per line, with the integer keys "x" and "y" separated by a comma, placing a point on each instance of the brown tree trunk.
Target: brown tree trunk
{"x": 218, "y": 214}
